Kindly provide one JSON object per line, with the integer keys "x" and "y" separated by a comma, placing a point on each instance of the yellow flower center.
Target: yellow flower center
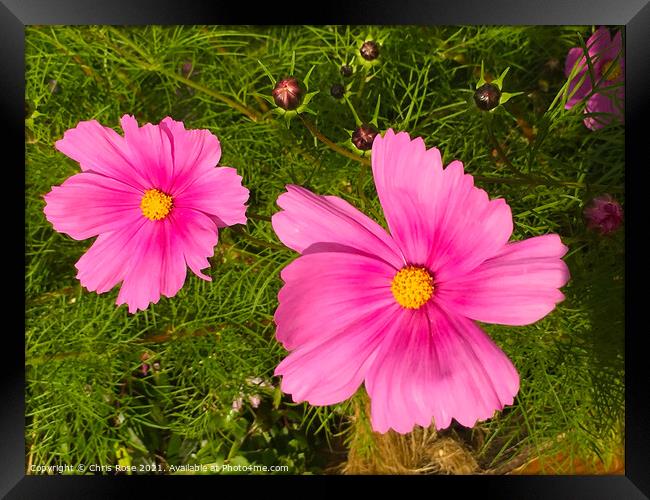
{"x": 412, "y": 287}
{"x": 614, "y": 73}
{"x": 155, "y": 205}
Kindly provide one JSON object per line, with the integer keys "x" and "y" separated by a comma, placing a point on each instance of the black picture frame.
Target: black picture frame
{"x": 634, "y": 14}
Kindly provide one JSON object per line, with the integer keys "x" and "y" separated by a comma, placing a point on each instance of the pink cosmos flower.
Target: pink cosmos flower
{"x": 608, "y": 62}
{"x": 397, "y": 310}
{"x": 154, "y": 199}
{"x": 604, "y": 214}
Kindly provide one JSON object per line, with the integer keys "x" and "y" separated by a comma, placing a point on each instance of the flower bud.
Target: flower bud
{"x": 337, "y": 90}
{"x": 364, "y": 136}
{"x": 487, "y": 96}
{"x": 287, "y": 93}
{"x": 604, "y": 214}
{"x": 346, "y": 70}
{"x": 144, "y": 368}
{"x": 369, "y": 50}
{"x": 186, "y": 69}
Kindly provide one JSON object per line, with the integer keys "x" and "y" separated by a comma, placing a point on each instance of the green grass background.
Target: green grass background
{"x": 87, "y": 399}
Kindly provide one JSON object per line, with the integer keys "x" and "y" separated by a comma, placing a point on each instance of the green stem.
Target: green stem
{"x": 249, "y": 112}
{"x": 254, "y": 216}
{"x": 333, "y": 146}
{"x": 257, "y": 241}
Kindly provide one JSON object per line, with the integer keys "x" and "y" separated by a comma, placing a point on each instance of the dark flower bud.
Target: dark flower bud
{"x": 287, "y": 93}
{"x": 346, "y": 70}
{"x": 487, "y": 97}
{"x": 337, "y": 90}
{"x": 369, "y": 50}
{"x": 364, "y": 136}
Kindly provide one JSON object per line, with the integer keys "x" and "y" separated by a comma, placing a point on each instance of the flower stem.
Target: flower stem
{"x": 333, "y": 146}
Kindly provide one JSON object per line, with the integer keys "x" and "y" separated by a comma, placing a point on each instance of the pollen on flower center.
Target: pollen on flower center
{"x": 412, "y": 287}
{"x": 613, "y": 73}
{"x": 155, "y": 205}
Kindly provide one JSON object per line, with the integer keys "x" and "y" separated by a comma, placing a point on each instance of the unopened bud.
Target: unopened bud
{"x": 364, "y": 136}
{"x": 346, "y": 70}
{"x": 369, "y": 50}
{"x": 287, "y": 93}
{"x": 337, "y": 90}
{"x": 487, "y": 96}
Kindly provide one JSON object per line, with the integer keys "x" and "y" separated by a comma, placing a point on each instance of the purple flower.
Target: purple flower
{"x": 604, "y": 214}
{"x": 608, "y": 62}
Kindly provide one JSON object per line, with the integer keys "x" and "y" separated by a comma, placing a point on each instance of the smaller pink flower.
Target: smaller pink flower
{"x": 604, "y": 214}
{"x": 155, "y": 200}
{"x": 608, "y": 62}
{"x": 237, "y": 404}
{"x": 255, "y": 400}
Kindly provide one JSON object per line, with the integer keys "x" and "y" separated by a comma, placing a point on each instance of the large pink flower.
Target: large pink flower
{"x": 608, "y": 63}
{"x": 154, "y": 199}
{"x": 396, "y": 310}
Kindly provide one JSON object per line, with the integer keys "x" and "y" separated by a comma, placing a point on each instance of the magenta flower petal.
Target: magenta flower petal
{"x": 310, "y": 222}
{"x": 395, "y": 311}
{"x": 195, "y": 152}
{"x": 154, "y": 198}
{"x": 101, "y": 150}
{"x": 608, "y": 63}
{"x": 350, "y": 286}
{"x": 573, "y": 56}
{"x": 329, "y": 370}
{"x": 197, "y": 235}
{"x": 88, "y": 204}
{"x": 103, "y": 265}
{"x": 151, "y": 150}
{"x": 436, "y": 363}
{"x": 599, "y": 42}
{"x": 604, "y": 108}
{"x": 437, "y": 216}
{"x": 155, "y": 267}
{"x": 518, "y": 286}
{"x": 218, "y": 192}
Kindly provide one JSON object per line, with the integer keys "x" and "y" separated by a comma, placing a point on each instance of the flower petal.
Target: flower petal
{"x": 151, "y": 151}
{"x": 604, "y": 107}
{"x": 516, "y": 287}
{"x": 437, "y": 216}
{"x": 599, "y": 43}
{"x": 101, "y": 150}
{"x": 576, "y": 55}
{"x": 193, "y": 152}
{"x": 88, "y": 204}
{"x": 156, "y": 266}
{"x": 325, "y": 292}
{"x": 438, "y": 365}
{"x": 104, "y": 264}
{"x": 164, "y": 247}
{"x": 313, "y": 223}
{"x": 197, "y": 235}
{"x": 329, "y": 370}
{"x": 406, "y": 176}
{"x": 217, "y": 192}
